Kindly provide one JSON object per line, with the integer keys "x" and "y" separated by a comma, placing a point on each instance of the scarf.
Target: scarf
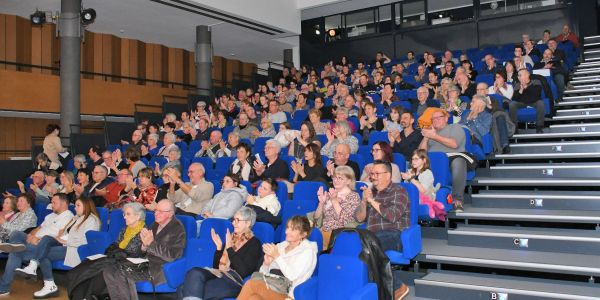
{"x": 238, "y": 240}
{"x": 130, "y": 233}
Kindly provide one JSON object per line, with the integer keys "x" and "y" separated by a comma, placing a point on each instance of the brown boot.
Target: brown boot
{"x": 401, "y": 292}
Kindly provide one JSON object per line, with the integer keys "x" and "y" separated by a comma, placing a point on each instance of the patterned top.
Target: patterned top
{"x": 395, "y": 210}
{"x": 332, "y": 220}
{"x": 21, "y": 221}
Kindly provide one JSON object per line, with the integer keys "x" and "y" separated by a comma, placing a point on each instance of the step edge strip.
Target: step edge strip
{"x": 523, "y": 235}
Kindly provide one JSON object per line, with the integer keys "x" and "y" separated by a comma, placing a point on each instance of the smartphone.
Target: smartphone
{"x": 258, "y": 158}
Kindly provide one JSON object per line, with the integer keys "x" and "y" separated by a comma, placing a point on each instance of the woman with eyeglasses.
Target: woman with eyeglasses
{"x": 337, "y": 206}
{"x": 86, "y": 280}
{"x": 235, "y": 258}
{"x": 231, "y": 197}
{"x": 292, "y": 261}
{"x": 382, "y": 151}
{"x": 144, "y": 191}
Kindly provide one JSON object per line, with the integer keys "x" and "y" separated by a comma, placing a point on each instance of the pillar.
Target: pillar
{"x": 203, "y": 58}
{"x": 70, "y": 64}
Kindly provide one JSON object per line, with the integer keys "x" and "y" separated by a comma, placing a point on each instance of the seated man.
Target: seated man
{"x": 275, "y": 114}
{"x": 490, "y": 65}
{"x": 192, "y": 196}
{"x": 275, "y": 168}
{"x": 448, "y": 138}
{"x": 23, "y": 246}
{"x": 163, "y": 243}
{"x": 419, "y": 105}
{"x": 213, "y": 148}
{"x": 341, "y": 157}
{"x": 407, "y": 140}
{"x": 100, "y": 182}
{"x": 527, "y": 94}
{"x": 386, "y": 209}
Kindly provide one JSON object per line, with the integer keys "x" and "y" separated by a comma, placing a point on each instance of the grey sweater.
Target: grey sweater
{"x": 226, "y": 203}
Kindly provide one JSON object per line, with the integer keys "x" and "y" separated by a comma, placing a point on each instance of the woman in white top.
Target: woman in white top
{"x": 63, "y": 246}
{"x": 295, "y": 259}
{"x": 421, "y": 176}
{"x": 501, "y": 87}
{"x": 266, "y": 197}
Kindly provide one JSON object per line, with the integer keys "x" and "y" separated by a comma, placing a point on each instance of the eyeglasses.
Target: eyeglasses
{"x": 237, "y": 220}
{"x": 339, "y": 178}
{"x": 437, "y": 118}
{"x": 375, "y": 149}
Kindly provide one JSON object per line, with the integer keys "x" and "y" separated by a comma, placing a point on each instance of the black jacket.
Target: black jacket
{"x": 378, "y": 264}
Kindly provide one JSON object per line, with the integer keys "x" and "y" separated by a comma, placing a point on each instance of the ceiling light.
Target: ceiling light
{"x": 38, "y": 18}
{"x": 317, "y": 32}
{"x": 332, "y": 32}
{"x": 88, "y": 16}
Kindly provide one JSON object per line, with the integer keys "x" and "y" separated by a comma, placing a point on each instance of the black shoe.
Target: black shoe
{"x": 506, "y": 150}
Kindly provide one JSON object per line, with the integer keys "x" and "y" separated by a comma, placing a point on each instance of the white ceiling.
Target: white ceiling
{"x": 153, "y": 22}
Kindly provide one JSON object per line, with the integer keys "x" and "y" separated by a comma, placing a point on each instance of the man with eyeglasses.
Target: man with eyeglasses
{"x": 448, "y": 138}
{"x": 162, "y": 243}
{"x": 419, "y": 105}
{"x": 101, "y": 181}
{"x": 326, "y": 111}
{"x": 191, "y": 197}
{"x": 386, "y": 209}
{"x": 341, "y": 157}
{"x": 274, "y": 168}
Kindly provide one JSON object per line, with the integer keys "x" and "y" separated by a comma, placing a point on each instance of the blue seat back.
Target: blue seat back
{"x": 342, "y": 274}
{"x": 224, "y": 162}
{"x": 206, "y": 162}
{"x": 220, "y": 226}
{"x": 440, "y": 167}
{"x": 103, "y": 214}
{"x": 290, "y": 209}
{"x": 307, "y": 191}
{"x": 413, "y": 197}
{"x": 117, "y": 222}
{"x": 264, "y": 232}
{"x": 400, "y": 160}
{"x": 347, "y": 244}
{"x": 189, "y": 224}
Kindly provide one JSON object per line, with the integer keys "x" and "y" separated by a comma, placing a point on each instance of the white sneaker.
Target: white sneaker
{"x": 49, "y": 290}
{"x": 4, "y": 294}
{"x": 29, "y": 271}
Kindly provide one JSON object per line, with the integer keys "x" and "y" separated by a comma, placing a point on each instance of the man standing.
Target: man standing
{"x": 191, "y": 197}
{"x": 386, "y": 209}
{"x": 23, "y": 246}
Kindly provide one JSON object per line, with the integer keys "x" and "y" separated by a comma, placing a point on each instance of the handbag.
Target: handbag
{"x": 275, "y": 283}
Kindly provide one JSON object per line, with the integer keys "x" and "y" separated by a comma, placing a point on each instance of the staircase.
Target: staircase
{"x": 532, "y": 227}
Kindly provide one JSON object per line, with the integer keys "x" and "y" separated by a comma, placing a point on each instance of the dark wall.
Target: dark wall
{"x": 485, "y": 31}
{"x": 14, "y": 170}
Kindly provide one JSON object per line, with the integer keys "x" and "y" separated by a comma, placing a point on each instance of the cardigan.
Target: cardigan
{"x": 77, "y": 237}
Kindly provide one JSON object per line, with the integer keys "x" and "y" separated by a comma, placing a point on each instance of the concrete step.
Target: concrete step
{"x": 592, "y": 59}
{"x": 526, "y": 238}
{"x": 575, "y": 117}
{"x": 587, "y": 71}
{"x": 593, "y": 90}
{"x": 545, "y": 156}
{"x": 587, "y": 65}
{"x": 586, "y": 86}
{"x": 536, "y": 200}
{"x": 591, "y": 52}
{"x": 545, "y": 182}
{"x": 585, "y": 80}
{"x": 587, "y": 102}
{"x": 528, "y": 215}
{"x": 554, "y": 135}
{"x": 580, "y": 98}
{"x": 474, "y": 286}
{"x": 591, "y": 44}
{"x": 578, "y": 111}
{"x": 556, "y": 147}
{"x": 542, "y": 171}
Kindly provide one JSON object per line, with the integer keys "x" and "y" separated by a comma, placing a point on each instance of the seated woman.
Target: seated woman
{"x": 173, "y": 161}
{"x": 151, "y": 149}
{"x": 44, "y": 163}
{"x": 340, "y": 134}
{"x": 336, "y": 206}
{"x": 231, "y": 197}
{"x": 267, "y": 129}
{"x": 393, "y": 122}
{"x": 502, "y": 88}
{"x": 23, "y": 218}
{"x": 63, "y": 246}
{"x": 9, "y": 208}
{"x": 67, "y": 184}
{"x": 132, "y": 157}
{"x": 242, "y": 166}
{"x": 314, "y": 116}
{"x": 265, "y": 203}
{"x": 369, "y": 122}
{"x": 163, "y": 189}
{"x": 235, "y": 259}
{"x": 453, "y": 105}
{"x": 294, "y": 260}
{"x": 86, "y": 279}
{"x": 145, "y": 191}
{"x": 312, "y": 169}
{"x": 285, "y": 131}
{"x": 382, "y": 151}
{"x": 478, "y": 121}
{"x": 421, "y": 176}
{"x": 82, "y": 188}
{"x": 298, "y": 141}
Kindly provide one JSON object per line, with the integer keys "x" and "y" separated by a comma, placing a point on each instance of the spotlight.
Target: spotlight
{"x": 88, "y": 16}
{"x": 38, "y": 18}
{"x": 332, "y": 32}
{"x": 317, "y": 32}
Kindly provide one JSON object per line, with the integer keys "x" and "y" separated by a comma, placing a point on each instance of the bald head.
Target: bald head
{"x": 341, "y": 154}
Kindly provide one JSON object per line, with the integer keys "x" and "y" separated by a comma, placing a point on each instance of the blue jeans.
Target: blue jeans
{"x": 47, "y": 250}
{"x": 202, "y": 284}
{"x": 15, "y": 259}
{"x": 502, "y": 130}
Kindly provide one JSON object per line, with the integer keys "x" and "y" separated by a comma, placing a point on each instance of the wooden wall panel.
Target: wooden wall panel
{"x": 191, "y": 68}
{"x": 107, "y": 57}
{"x": 24, "y": 42}
{"x": 36, "y": 47}
{"x": 98, "y": 55}
{"x": 164, "y": 65}
{"x": 2, "y": 40}
{"x": 11, "y": 40}
{"x": 124, "y": 57}
{"x": 116, "y": 58}
{"x": 217, "y": 70}
{"x": 175, "y": 65}
{"x": 233, "y": 66}
{"x": 40, "y": 92}
{"x": 48, "y": 39}
{"x": 133, "y": 59}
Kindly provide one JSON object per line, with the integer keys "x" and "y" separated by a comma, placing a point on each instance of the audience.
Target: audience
{"x": 408, "y": 139}
{"x": 341, "y": 157}
{"x": 528, "y": 94}
{"x": 242, "y": 166}
{"x": 478, "y": 121}
{"x": 421, "y": 176}
{"x": 312, "y": 168}
{"x": 265, "y": 203}
{"x": 299, "y": 140}
{"x": 22, "y": 218}
{"x": 382, "y": 151}
{"x": 274, "y": 167}
{"x": 340, "y": 134}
